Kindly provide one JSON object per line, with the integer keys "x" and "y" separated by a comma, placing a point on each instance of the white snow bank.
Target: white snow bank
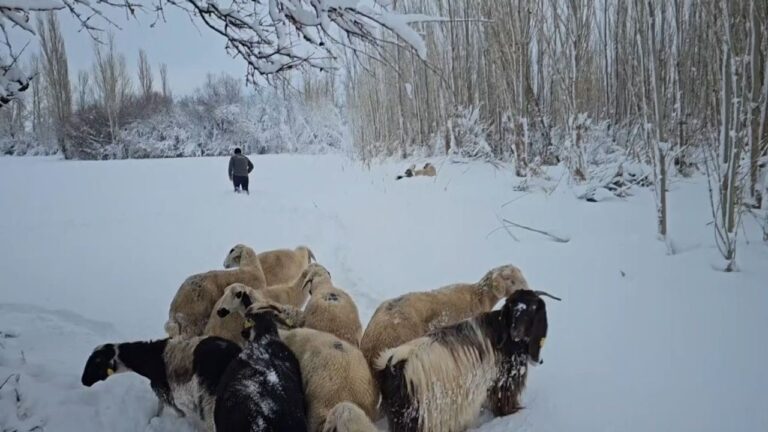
{"x": 641, "y": 341}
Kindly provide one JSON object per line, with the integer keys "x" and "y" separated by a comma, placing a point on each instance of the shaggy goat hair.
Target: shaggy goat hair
{"x": 441, "y": 381}
{"x": 261, "y": 391}
{"x": 183, "y": 373}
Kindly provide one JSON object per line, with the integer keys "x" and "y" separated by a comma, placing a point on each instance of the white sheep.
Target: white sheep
{"x": 194, "y": 300}
{"x": 348, "y": 417}
{"x": 330, "y": 309}
{"x": 412, "y": 315}
{"x": 237, "y": 297}
{"x": 280, "y": 266}
{"x": 333, "y": 371}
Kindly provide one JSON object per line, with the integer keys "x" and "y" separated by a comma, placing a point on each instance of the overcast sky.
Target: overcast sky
{"x": 189, "y": 51}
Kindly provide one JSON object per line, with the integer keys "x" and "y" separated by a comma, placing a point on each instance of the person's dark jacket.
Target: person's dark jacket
{"x": 239, "y": 165}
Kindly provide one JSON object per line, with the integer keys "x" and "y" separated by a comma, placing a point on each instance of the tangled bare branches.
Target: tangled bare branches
{"x": 272, "y": 36}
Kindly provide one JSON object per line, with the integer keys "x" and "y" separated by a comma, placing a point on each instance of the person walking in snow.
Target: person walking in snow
{"x": 239, "y": 168}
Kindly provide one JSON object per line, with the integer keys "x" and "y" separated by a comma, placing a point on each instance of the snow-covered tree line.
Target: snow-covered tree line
{"x": 113, "y": 115}
{"x": 674, "y": 85}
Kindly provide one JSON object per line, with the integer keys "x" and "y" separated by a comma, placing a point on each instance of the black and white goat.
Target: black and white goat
{"x": 441, "y": 381}
{"x": 183, "y": 373}
{"x": 261, "y": 391}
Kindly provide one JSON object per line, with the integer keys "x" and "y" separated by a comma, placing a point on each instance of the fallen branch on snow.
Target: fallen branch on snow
{"x": 559, "y": 239}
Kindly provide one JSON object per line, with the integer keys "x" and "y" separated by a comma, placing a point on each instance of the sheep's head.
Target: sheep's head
{"x": 101, "y": 364}
{"x": 505, "y": 280}
{"x": 526, "y": 314}
{"x": 347, "y": 417}
{"x": 235, "y": 256}
{"x": 259, "y": 322}
{"x": 237, "y": 298}
{"x": 285, "y": 316}
{"x": 313, "y": 275}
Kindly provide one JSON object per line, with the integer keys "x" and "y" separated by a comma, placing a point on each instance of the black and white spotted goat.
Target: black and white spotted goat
{"x": 183, "y": 373}
{"x": 440, "y": 382}
{"x": 261, "y": 391}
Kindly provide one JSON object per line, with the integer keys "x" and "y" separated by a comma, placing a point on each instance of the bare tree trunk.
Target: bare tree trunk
{"x": 145, "y": 76}
{"x": 166, "y": 89}
{"x": 753, "y": 112}
{"x": 56, "y": 73}
{"x": 660, "y": 144}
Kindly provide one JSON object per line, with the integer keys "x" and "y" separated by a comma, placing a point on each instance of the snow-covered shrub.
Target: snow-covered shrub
{"x": 469, "y": 135}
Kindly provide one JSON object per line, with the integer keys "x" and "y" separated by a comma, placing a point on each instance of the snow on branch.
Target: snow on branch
{"x": 273, "y": 36}
{"x": 16, "y": 15}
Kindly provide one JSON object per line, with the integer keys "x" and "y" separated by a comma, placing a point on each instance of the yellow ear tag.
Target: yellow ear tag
{"x": 541, "y": 342}
{"x": 248, "y": 324}
{"x": 110, "y": 371}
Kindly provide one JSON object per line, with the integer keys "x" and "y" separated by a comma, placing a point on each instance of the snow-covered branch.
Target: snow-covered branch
{"x": 272, "y": 36}
{"x": 279, "y": 35}
{"x": 15, "y": 15}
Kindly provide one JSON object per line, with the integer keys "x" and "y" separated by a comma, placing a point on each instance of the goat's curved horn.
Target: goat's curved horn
{"x": 546, "y": 294}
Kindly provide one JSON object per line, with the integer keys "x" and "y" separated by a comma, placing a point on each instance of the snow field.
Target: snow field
{"x": 93, "y": 252}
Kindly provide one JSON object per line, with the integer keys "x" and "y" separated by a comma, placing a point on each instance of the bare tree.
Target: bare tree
{"x": 56, "y": 72}
{"x": 38, "y": 96}
{"x": 164, "y": 82}
{"x": 145, "y": 76}
{"x": 83, "y": 89}
{"x": 111, "y": 83}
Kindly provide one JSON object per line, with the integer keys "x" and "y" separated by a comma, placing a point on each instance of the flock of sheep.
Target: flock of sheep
{"x": 271, "y": 344}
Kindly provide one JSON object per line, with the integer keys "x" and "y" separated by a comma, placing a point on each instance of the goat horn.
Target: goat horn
{"x": 546, "y": 294}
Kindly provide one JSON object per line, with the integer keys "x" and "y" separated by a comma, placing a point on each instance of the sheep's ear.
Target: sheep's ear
{"x": 307, "y": 286}
{"x": 538, "y": 331}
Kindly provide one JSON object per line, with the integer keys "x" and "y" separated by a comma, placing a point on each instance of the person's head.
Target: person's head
{"x": 238, "y": 151}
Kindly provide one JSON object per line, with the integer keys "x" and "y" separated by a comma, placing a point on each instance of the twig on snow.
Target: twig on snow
{"x": 8, "y": 379}
{"x": 554, "y": 237}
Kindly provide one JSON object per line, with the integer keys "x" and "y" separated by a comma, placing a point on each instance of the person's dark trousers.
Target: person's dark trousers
{"x": 241, "y": 182}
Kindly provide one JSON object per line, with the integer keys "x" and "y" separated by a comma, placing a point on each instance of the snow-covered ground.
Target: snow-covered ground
{"x": 92, "y": 252}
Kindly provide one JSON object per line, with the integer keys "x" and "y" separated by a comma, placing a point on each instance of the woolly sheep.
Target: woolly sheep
{"x": 428, "y": 171}
{"x": 192, "y": 305}
{"x": 237, "y": 297}
{"x": 331, "y": 309}
{"x": 412, "y": 315}
{"x": 261, "y": 390}
{"x": 280, "y": 266}
{"x": 333, "y": 371}
{"x": 348, "y": 417}
{"x": 183, "y": 373}
{"x": 441, "y": 381}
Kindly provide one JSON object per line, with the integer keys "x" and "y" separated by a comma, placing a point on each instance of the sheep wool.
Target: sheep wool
{"x": 441, "y": 381}
{"x": 413, "y": 315}
{"x": 261, "y": 390}
{"x": 280, "y": 266}
{"x": 333, "y": 371}
{"x": 348, "y": 417}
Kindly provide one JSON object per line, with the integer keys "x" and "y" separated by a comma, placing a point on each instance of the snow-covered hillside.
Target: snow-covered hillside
{"x": 92, "y": 252}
